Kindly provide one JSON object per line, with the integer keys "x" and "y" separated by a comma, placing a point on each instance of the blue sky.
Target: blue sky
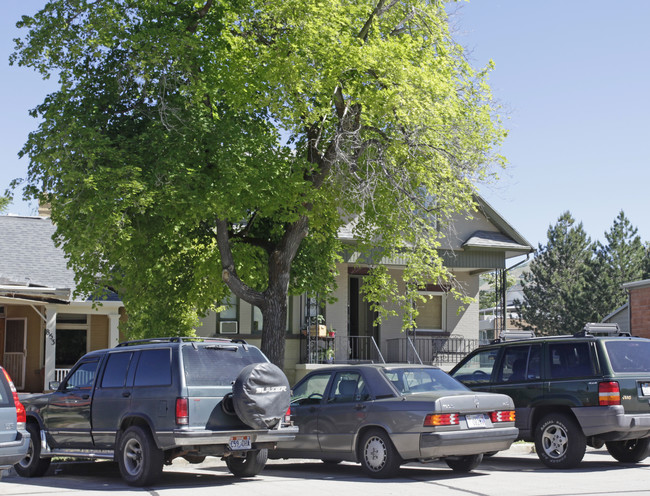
{"x": 574, "y": 76}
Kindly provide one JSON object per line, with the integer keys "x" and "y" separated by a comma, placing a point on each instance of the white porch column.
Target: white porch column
{"x": 50, "y": 346}
{"x": 113, "y": 331}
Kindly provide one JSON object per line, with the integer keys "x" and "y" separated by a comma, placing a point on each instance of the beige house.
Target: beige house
{"x": 44, "y": 329}
{"x": 444, "y": 334}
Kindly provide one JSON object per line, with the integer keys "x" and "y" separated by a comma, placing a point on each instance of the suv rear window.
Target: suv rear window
{"x": 217, "y": 364}
{"x": 629, "y": 356}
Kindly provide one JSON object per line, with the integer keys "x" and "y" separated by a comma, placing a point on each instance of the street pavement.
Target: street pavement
{"x": 513, "y": 472}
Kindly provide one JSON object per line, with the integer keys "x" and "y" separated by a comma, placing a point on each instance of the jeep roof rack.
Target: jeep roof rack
{"x": 601, "y": 329}
{"x": 180, "y": 339}
{"x": 514, "y": 335}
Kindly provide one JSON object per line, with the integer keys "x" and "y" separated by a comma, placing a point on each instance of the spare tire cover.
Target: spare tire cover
{"x": 261, "y": 395}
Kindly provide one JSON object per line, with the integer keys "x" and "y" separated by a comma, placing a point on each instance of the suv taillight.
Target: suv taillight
{"x": 21, "y": 416}
{"x": 609, "y": 394}
{"x": 182, "y": 412}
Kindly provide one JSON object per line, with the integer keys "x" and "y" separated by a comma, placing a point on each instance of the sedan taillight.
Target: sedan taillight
{"x": 436, "y": 419}
{"x": 609, "y": 393}
{"x": 502, "y": 416}
{"x": 21, "y": 416}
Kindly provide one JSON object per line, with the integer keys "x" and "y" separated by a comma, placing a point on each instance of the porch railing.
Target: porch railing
{"x": 432, "y": 350}
{"x": 340, "y": 349}
{"x": 59, "y": 374}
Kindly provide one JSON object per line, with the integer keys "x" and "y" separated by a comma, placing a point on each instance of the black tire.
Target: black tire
{"x": 33, "y": 465}
{"x": 631, "y": 451}
{"x": 138, "y": 457}
{"x": 464, "y": 464}
{"x": 378, "y": 456}
{"x": 559, "y": 441}
{"x": 261, "y": 395}
{"x": 249, "y": 466}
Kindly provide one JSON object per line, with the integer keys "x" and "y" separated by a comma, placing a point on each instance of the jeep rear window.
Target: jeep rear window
{"x": 629, "y": 356}
{"x": 217, "y": 365}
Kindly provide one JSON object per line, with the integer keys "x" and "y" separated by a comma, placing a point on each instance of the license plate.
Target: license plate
{"x": 645, "y": 388}
{"x": 475, "y": 421}
{"x": 240, "y": 443}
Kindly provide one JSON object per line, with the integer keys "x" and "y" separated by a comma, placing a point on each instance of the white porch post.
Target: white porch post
{"x": 113, "y": 331}
{"x": 50, "y": 346}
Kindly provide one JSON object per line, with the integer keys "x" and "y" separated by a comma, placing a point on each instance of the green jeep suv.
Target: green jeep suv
{"x": 570, "y": 392}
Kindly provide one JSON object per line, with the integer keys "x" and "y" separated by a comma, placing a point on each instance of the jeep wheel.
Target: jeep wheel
{"x": 261, "y": 395}
{"x": 378, "y": 456}
{"x": 559, "y": 441}
{"x": 138, "y": 457}
{"x": 464, "y": 464}
{"x": 249, "y": 466}
{"x": 631, "y": 451}
{"x": 33, "y": 465}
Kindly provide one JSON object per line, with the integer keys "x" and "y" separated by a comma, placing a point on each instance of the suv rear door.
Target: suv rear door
{"x": 112, "y": 398}
{"x": 569, "y": 365}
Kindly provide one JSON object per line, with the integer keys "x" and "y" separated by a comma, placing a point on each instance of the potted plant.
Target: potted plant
{"x": 329, "y": 355}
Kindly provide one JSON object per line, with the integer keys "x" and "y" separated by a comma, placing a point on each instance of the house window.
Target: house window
{"x": 228, "y": 319}
{"x": 431, "y": 312}
{"x": 71, "y": 338}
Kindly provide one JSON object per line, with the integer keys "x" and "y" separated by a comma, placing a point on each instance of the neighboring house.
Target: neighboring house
{"x": 620, "y": 316}
{"x": 638, "y": 307}
{"x": 43, "y": 328}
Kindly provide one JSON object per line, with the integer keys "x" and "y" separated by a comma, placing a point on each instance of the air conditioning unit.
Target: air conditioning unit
{"x": 228, "y": 327}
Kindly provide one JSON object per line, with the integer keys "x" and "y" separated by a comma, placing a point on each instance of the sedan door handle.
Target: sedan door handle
{"x": 359, "y": 406}
{"x": 85, "y": 396}
{"x": 126, "y": 394}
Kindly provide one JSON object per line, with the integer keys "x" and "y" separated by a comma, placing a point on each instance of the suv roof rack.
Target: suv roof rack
{"x": 601, "y": 329}
{"x": 179, "y": 339}
{"x": 514, "y": 335}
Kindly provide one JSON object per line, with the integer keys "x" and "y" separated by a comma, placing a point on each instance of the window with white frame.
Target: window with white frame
{"x": 228, "y": 318}
{"x": 431, "y": 312}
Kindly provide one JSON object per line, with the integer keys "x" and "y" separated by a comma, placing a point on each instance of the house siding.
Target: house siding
{"x": 640, "y": 311}
{"x": 98, "y": 332}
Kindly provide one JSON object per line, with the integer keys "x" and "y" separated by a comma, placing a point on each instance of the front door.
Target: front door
{"x": 15, "y": 345}
{"x": 364, "y": 334}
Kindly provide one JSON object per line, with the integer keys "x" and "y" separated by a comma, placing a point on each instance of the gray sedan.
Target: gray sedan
{"x": 385, "y": 415}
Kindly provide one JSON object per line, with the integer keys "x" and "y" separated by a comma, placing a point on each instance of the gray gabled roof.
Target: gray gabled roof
{"x": 29, "y": 256}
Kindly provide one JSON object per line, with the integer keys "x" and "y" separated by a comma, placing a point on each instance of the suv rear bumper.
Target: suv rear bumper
{"x": 13, "y": 451}
{"x": 611, "y": 423}
{"x": 183, "y": 437}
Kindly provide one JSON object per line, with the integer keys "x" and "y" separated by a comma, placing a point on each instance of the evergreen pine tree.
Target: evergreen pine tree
{"x": 621, "y": 260}
{"x": 556, "y": 288}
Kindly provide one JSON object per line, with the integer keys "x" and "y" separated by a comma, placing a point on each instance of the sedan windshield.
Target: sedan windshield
{"x": 422, "y": 380}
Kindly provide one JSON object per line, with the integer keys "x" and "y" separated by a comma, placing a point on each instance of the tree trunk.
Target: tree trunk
{"x": 274, "y": 315}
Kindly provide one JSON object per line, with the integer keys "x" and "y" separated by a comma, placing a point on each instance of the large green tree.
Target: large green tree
{"x": 199, "y": 147}
{"x": 557, "y": 288}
